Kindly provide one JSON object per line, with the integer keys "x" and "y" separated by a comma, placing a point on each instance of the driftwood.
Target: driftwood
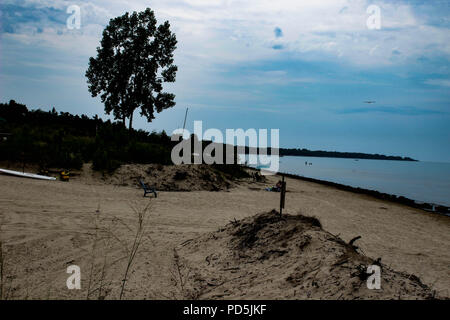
{"x": 352, "y": 241}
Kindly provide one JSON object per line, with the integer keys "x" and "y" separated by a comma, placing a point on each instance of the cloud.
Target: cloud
{"x": 285, "y": 56}
{"x": 273, "y": 77}
{"x": 278, "y": 32}
{"x": 438, "y": 82}
{"x": 277, "y": 47}
{"x": 18, "y": 19}
{"x": 343, "y": 10}
{"x": 236, "y": 30}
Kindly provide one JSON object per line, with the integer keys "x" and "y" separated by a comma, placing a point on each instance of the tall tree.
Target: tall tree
{"x": 133, "y": 61}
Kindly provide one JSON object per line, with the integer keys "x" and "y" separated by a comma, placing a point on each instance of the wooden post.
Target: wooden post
{"x": 282, "y": 195}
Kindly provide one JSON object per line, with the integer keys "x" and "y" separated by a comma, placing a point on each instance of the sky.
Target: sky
{"x": 303, "y": 67}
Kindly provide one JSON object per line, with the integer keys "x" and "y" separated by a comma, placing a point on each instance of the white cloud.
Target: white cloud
{"x": 311, "y": 29}
{"x": 232, "y": 31}
{"x": 216, "y": 35}
{"x": 438, "y": 82}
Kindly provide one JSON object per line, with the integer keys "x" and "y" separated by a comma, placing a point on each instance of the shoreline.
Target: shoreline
{"x": 425, "y": 206}
{"x": 428, "y": 207}
{"x": 388, "y": 158}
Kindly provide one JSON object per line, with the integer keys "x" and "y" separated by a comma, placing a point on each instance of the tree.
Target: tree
{"x": 134, "y": 59}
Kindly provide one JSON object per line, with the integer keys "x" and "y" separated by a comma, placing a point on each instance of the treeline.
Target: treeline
{"x": 63, "y": 140}
{"x": 324, "y": 154}
{"x": 336, "y": 154}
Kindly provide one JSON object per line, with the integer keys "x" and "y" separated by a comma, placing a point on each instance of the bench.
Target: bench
{"x": 147, "y": 189}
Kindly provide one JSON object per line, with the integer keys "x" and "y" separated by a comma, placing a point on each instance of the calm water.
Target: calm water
{"x": 421, "y": 181}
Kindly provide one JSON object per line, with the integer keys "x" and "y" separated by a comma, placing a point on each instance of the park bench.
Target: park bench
{"x": 147, "y": 188}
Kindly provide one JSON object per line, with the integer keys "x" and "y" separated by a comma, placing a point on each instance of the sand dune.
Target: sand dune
{"x": 286, "y": 257}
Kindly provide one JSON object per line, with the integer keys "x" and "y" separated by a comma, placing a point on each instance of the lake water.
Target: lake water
{"x": 420, "y": 181}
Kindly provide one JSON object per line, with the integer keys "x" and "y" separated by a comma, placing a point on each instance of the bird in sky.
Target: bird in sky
{"x": 369, "y": 101}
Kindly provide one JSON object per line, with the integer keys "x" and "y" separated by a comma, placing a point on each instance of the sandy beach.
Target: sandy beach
{"x": 49, "y": 225}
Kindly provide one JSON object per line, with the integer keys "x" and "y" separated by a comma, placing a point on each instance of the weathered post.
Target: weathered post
{"x": 282, "y": 195}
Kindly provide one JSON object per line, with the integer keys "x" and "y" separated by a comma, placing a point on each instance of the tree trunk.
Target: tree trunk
{"x": 130, "y": 125}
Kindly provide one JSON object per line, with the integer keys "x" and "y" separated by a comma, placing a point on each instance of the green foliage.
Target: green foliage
{"x": 67, "y": 141}
{"x": 180, "y": 175}
{"x": 103, "y": 161}
{"x": 133, "y": 52}
{"x": 233, "y": 171}
{"x": 335, "y": 154}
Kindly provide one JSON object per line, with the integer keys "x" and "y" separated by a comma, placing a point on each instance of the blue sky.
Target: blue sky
{"x": 305, "y": 67}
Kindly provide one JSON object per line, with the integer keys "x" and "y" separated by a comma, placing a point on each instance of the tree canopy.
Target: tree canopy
{"x": 133, "y": 61}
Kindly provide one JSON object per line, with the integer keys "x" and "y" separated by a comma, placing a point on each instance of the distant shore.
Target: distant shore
{"x": 325, "y": 154}
{"x": 343, "y": 155}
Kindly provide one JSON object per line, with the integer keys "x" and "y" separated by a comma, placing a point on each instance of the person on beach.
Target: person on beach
{"x": 276, "y": 188}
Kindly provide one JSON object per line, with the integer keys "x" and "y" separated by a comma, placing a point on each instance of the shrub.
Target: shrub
{"x": 103, "y": 162}
{"x": 180, "y": 175}
{"x": 234, "y": 171}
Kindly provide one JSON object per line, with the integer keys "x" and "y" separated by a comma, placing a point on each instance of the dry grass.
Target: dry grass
{"x": 108, "y": 251}
{"x": 180, "y": 278}
{"x": 98, "y": 282}
{"x": 142, "y": 214}
{"x": 5, "y": 278}
{"x": 93, "y": 253}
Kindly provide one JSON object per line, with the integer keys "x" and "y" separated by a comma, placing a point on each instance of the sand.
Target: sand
{"x": 47, "y": 226}
{"x": 270, "y": 256}
{"x": 164, "y": 178}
